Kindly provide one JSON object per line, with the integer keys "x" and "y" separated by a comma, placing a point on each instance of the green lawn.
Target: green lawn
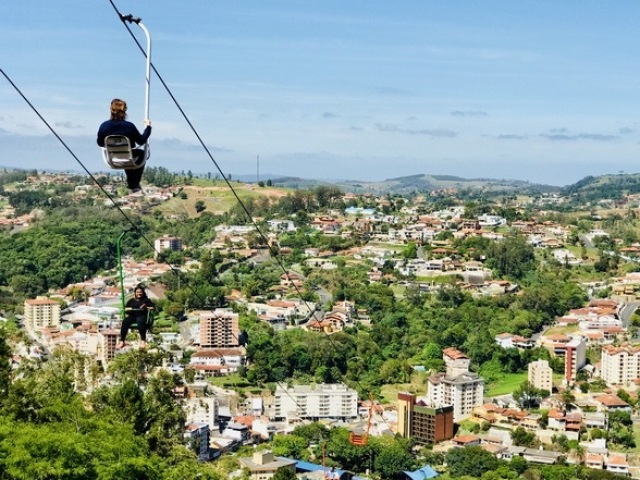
{"x": 418, "y": 386}
{"x": 506, "y": 384}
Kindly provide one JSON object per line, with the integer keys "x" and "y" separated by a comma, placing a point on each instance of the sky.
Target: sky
{"x": 545, "y": 91}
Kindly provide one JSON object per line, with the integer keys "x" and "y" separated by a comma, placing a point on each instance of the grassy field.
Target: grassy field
{"x": 417, "y": 386}
{"x": 565, "y": 330}
{"x": 636, "y": 435}
{"x": 233, "y": 382}
{"x": 217, "y": 198}
{"x": 506, "y": 384}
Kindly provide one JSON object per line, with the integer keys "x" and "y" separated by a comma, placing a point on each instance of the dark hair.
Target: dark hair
{"x": 140, "y": 287}
{"x": 118, "y": 109}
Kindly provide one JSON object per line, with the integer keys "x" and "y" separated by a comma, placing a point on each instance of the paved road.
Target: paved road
{"x": 627, "y": 311}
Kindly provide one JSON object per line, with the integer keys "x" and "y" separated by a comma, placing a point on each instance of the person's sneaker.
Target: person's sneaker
{"x": 120, "y": 345}
{"x": 143, "y": 344}
{"x": 136, "y": 191}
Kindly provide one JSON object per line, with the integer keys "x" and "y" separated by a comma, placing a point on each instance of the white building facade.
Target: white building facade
{"x": 202, "y": 410}
{"x": 458, "y": 387}
{"x": 620, "y": 365}
{"x": 315, "y": 402}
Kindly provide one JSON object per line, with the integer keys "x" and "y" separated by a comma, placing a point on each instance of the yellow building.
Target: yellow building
{"x": 264, "y": 465}
{"x": 541, "y": 375}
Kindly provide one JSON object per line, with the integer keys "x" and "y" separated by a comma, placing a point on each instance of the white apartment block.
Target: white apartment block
{"x": 319, "y": 401}
{"x": 412, "y": 233}
{"x": 202, "y": 410}
{"x": 599, "y": 322}
{"x": 541, "y": 375}
{"x": 197, "y": 436}
{"x": 82, "y": 342}
{"x": 281, "y": 225}
{"x": 167, "y": 242}
{"x": 620, "y": 365}
{"x": 219, "y": 328}
{"x": 457, "y": 387}
{"x": 40, "y": 313}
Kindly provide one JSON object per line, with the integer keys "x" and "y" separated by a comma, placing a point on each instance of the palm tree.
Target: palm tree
{"x": 580, "y": 453}
{"x": 567, "y": 398}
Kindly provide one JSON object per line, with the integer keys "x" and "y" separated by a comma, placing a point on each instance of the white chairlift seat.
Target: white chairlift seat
{"x": 118, "y": 154}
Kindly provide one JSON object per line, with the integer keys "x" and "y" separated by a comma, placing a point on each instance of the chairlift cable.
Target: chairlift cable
{"x": 133, "y": 225}
{"x": 272, "y": 251}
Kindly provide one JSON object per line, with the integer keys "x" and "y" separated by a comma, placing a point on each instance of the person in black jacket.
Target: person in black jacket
{"x": 118, "y": 125}
{"x": 137, "y": 311}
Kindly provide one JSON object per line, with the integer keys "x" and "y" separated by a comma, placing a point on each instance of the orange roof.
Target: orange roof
{"x": 617, "y": 460}
{"x": 612, "y": 401}
{"x": 454, "y": 353}
{"x": 625, "y": 347}
{"x": 466, "y": 439}
{"x": 558, "y": 337}
{"x": 41, "y": 301}
{"x": 246, "y": 420}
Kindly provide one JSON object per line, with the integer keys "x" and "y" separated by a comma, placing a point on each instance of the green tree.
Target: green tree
{"x": 513, "y": 257}
{"x": 410, "y": 251}
{"x": 392, "y": 460}
{"x": 471, "y": 461}
{"x": 291, "y": 446}
{"x": 284, "y": 474}
{"x": 523, "y": 438}
{"x": 518, "y": 464}
{"x": 5, "y": 365}
{"x": 528, "y": 396}
{"x": 200, "y": 206}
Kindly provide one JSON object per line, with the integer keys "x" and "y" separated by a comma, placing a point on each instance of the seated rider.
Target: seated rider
{"x": 137, "y": 311}
{"x": 118, "y": 125}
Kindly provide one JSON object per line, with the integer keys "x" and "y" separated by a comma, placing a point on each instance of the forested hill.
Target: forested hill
{"x": 604, "y": 187}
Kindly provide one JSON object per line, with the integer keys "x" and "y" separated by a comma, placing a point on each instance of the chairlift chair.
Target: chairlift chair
{"x": 361, "y": 439}
{"x": 358, "y": 439}
{"x": 148, "y": 322}
{"x": 118, "y": 154}
{"x": 118, "y": 151}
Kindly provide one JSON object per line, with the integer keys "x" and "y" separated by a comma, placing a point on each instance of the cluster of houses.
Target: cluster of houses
{"x": 218, "y": 421}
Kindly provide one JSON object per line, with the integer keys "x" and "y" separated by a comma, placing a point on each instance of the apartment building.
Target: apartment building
{"x": 426, "y": 425}
{"x": 40, "y": 313}
{"x": 219, "y": 329}
{"x": 315, "y": 402}
{"x": 620, "y": 365}
{"x": 572, "y": 347}
{"x": 107, "y": 342}
{"x": 202, "y": 410}
{"x": 457, "y": 387}
{"x": 541, "y": 375}
{"x": 197, "y": 437}
{"x": 167, "y": 242}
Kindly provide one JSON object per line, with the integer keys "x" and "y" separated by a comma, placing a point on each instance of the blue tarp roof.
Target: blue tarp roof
{"x": 312, "y": 467}
{"x": 423, "y": 473}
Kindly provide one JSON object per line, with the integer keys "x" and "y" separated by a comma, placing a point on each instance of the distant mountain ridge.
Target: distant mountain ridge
{"x": 591, "y": 187}
{"x": 419, "y": 183}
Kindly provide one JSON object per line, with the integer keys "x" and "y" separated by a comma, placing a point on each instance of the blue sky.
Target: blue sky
{"x": 544, "y": 91}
